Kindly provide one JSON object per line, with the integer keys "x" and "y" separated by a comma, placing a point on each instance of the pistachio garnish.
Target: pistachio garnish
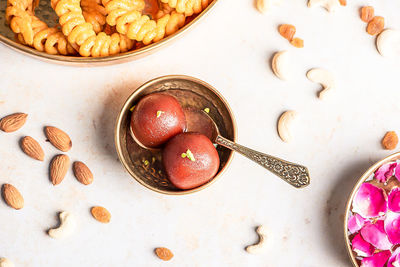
{"x": 132, "y": 108}
{"x": 188, "y": 155}
{"x": 159, "y": 113}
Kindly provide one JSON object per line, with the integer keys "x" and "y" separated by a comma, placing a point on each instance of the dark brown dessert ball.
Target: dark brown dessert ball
{"x": 157, "y": 118}
{"x": 190, "y": 160}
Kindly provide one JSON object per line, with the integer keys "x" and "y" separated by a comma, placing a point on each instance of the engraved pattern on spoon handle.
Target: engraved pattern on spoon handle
{"x": 294, "y": 174}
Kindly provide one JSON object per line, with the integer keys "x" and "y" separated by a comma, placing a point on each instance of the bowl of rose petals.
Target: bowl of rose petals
{"x": 372, "y": 219}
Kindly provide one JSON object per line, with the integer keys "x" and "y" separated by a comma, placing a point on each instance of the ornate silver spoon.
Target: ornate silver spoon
{"x": 294, "y": 174}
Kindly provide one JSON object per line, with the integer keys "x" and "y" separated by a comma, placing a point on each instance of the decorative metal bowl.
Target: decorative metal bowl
{"x": 46, "y": 13}
{"x": 146, "y": 165}
{"x": 363, "y": 178}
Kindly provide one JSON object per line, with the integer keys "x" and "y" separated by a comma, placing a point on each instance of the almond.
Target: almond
{"x": 13, "y": 122}
{"x": 12, "y": 197}
{"x": 101, "y": 214}
{"x": 164, "y": 253}
{"x": 58, "y": 168}
{"x": 82, "y": 173}
{"x": 32, "y": 148}
{"x": 58, "y": 138}
{"x": 390, "y": 140}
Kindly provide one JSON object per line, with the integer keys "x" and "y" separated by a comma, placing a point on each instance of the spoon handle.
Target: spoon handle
{"x": 294, "y": 174}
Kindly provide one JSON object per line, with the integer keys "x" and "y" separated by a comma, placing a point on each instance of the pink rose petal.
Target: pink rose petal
{"x": 397, "y": 173}
{"x": 392, "y": 227}
{"x": 394, "y": 260}
{"x": 385, "y": 172}
{"x": 377, "y": 260}
{"x": 370, "y": 201}
{"x": 394, "y": 199}
{"x": 362, "y": 247}
{"x": 374, "y": 233}
{"x": 355, "y": 223}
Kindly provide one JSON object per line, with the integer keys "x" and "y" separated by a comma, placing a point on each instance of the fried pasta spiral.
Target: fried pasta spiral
{"x": 187, "y": 7}
{"x": 128, "y": 20}
{"x": 33, "y": 32}
{"x": 94, "y": 13}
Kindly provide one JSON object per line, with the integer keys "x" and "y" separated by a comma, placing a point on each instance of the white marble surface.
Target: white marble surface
{"x": 337, "y": 139}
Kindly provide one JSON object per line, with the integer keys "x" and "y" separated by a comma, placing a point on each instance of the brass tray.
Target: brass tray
{"x": 45, "y": 12}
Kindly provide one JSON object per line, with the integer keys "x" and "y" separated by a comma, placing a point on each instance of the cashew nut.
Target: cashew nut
{"x": 264, "y": 5}
{"x": 284, "y": 125}
{"x": 67, "y": 226}
{"x": 329, "y": 5}
{"x": 323, "y": 77}
{"x": 388, "y": 43}
{"x": 6, "y": 263}
{"x": 280, "y": 65}
{"x": 257, "y": 248}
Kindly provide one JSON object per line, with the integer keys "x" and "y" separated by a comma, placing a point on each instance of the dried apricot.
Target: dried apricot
{"x": 390, "y": 140}
{"x": 164, "y": 253}
{"x": 343, "y": 2}
{"x": 287, "y": 31}
{"x": 367, "y": 13}
{"x": 376, "y": 25}
{"x": 297, "y": 42}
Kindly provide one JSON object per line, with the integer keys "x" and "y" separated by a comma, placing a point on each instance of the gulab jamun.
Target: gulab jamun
{"x": 157, "y": 118}
{"x": 190, "y": 160}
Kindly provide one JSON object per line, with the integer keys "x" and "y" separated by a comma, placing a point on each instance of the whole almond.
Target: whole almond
{"x": 13, "y": 122}
{"x": 390, "y": 140}
{"x": 32, "y": 148}
{"x": 164, "y": 253}
{"x": 58, "y": 138}
{"x": 12, "y": 197}
{"x": 101, "y": 214}
{"x": 58, "y": 168}
{"x": 82, "y": 173}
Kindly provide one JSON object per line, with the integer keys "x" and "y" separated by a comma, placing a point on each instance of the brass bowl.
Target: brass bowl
{"x": 363, "y": 178}
{"x": 45, "y": 12}
{"x": 146, "y": 165}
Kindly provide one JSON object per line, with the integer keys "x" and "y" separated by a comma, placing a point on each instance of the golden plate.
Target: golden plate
{"x": 145, "y": 165}
{"x": 363, "y": 178}
{"x": 45, "y": 12}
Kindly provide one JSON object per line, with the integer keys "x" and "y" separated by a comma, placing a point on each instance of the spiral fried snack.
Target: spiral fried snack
{"x": 164, "y": 9}
{"x": 187, "y": 7}
{"x": 18, "y": 15}
{"x": 81, "y": 34}
{"x": 33, "y": 32}
{"x": 140, "y": 27}
{"x": 94, "y": 13}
